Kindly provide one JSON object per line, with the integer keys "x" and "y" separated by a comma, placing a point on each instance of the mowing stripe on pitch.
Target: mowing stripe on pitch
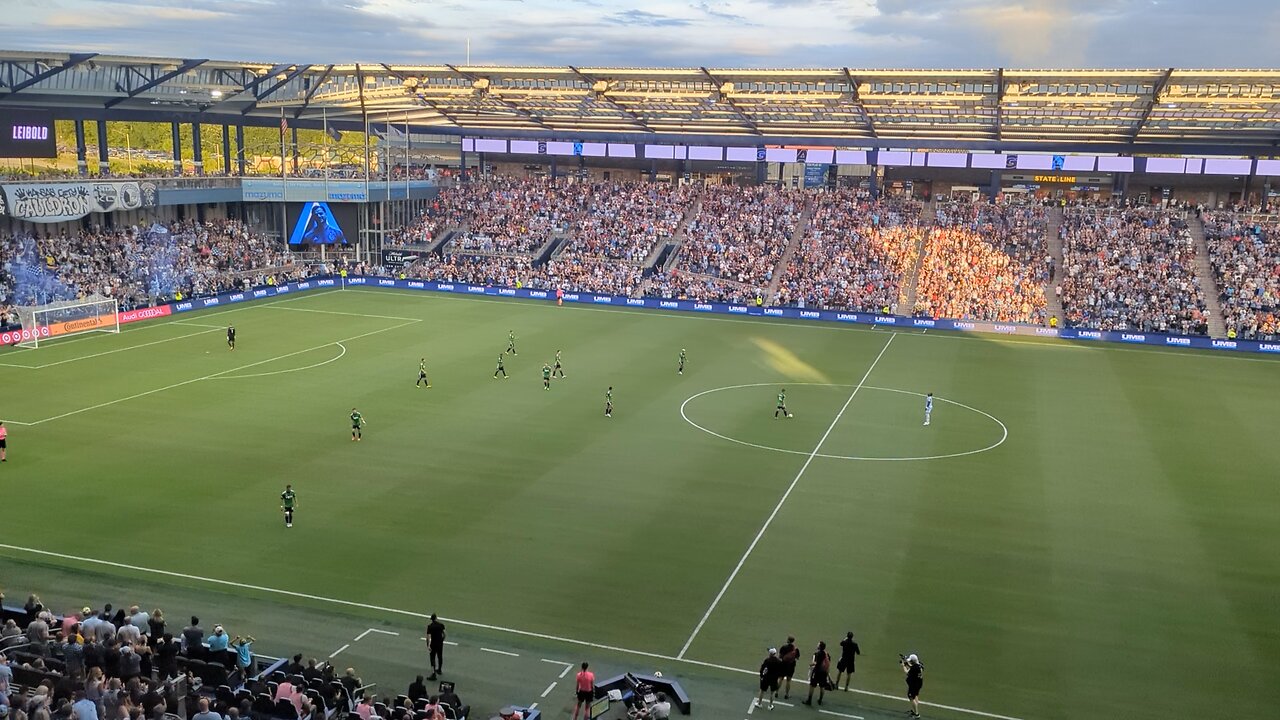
{"x": 465, "y": 623}
{"x": 769, "y": 520}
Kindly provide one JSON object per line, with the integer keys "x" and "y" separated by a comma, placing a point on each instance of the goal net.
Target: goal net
{"x": 43, "y": 323}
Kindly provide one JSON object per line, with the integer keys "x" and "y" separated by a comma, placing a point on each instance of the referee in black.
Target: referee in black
{"x": 914, "y": 670}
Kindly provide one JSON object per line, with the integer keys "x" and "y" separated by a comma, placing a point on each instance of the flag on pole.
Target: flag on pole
{"x": 284, "y": 123}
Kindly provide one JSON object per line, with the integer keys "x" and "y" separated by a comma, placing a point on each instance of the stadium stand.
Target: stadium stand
{"x": 985, "y": 261}
{"x": 1131, "y": 269}
{"x": 1244, "y": 252}
{"x": 133, "y": 666}
{"x": 139, "y": 265}
{"x": 855, "y": 254}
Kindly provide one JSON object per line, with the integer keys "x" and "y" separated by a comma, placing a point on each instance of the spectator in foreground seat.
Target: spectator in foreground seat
{"x": 193, "y": 637}
{"x": 205, "y": 713}
{"x": 218, "y": 640}
{"x": 450, "y": 698}
{"x": 417, "y": 690}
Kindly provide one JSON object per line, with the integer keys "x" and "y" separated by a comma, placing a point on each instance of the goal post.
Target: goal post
{"x": 43, "y": 323}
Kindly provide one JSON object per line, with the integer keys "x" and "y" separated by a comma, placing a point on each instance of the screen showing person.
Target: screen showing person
{"x": 317, "y": 226}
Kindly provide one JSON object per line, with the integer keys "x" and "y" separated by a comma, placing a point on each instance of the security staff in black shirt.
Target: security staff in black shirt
{"x": 848, "y": 651}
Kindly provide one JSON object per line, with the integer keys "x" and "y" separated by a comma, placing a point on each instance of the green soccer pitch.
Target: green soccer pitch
{"x": 1081, "y": 532}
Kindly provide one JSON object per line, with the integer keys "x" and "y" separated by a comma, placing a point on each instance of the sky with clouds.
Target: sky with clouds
{"x": 683, "y": 33}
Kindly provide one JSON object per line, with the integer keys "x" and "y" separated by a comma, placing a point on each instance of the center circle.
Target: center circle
{"x": 997, "y": 425}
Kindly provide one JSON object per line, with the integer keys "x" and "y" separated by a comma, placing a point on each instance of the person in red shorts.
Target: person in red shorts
{"x": 586, "y": 688}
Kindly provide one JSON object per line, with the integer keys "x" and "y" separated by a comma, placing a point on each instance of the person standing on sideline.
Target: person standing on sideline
{"x": 914, "y": 671}
{"x": 231, "y": 336}
{"x": 819, "y": 673}
{"x": 789, "y": 653}
{"x": 585, "y": 686}
{"x": 4, "y": 437}
{"x": 770, "y": 673}
{"x": 928, "y": 407}
{"x": 435, "y": 645}
{"x": 848, "y": 651}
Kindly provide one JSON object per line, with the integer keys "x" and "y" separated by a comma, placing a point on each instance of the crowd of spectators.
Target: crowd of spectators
{"x": 739, "y": 232}
{"x": 511, "y": 215}
{"x": 855, "y": 253}
{"x": 985, "y": 261}
{"x": 1131, "y": 269}
{"x": 139, "y": 265}
{"x": 1244, "y": 252}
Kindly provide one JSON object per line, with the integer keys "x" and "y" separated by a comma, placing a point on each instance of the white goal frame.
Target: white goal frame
{"x": 44, "y": 323}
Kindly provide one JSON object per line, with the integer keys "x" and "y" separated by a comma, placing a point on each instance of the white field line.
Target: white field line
{"x": 550, "y": 687}
{"x": 336, "y": 358}
{"x": 216, "y": 375}
{"x": 203, "y": 325}
{"x": 499, "y": 652}
{"x": 364, "y": 634}
{"x": 555, "y": 662}
{"x": 840, "y": 714}
{"x": 465, "y": 623}
{"x": 335, "y": 653}
{"x": 781, "y": 501}
{"x": 123, "y": 349}
{"x": 566, "y": 670}
{"x": 349, "y": 314}
{"x": 1012, "y": 339}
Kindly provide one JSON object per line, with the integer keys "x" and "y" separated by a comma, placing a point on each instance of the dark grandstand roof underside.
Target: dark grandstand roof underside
{"x": 1152, "y": 110}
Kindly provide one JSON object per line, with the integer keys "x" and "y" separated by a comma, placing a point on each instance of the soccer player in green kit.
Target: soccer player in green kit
{"x": 357, "y": 420}
{"x": 546, "y": 376}
{"x": 782, "y": 405}
{"x": 511, "y": 342}
{"x": 557, "y": 368}
{"x": 288, "y": 501}
{"x": 608, "y": 402}
{"x": 422, "y": 373}
{"x": 681, "y": 370}
{"x": 501, "y": 368}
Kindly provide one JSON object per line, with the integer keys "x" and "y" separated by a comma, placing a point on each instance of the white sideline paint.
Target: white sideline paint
{"x": 781, "y": 501}
{"x": 499, "y": 652}
{"x": 465, "y": 623}
{"x": 335, "y": 653}
{"x": 362, "y": 635}
{"x": 547, "y": 692}
{"x": 216, "y": 375}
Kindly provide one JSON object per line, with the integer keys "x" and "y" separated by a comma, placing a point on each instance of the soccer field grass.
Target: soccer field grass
{"x": 1082, "y": 531}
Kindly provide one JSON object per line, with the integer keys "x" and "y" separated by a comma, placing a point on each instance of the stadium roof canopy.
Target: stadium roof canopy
{"x": 1154, "y": 110}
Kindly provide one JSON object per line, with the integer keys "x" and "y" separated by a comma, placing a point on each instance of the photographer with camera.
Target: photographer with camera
{"x": 914, "y": 671}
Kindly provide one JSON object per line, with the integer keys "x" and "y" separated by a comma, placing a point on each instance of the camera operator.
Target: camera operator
{"x": 914, "y": 671}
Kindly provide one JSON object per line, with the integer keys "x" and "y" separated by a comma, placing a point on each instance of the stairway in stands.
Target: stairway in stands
{"x": 664, "y": 252}
{"x": 1204, "y": 271}
{"x": 907, "y": 299}
{"x": 797, "y": 234}
{"x": 1053, "y": 238}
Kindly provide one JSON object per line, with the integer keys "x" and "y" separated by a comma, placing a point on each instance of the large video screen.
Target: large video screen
{"x": 27, "y": 134}
{"x": 316, "y": 223}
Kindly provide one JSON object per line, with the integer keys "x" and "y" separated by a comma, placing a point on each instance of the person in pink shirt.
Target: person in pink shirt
{"x": 586, "y": 692}
{"x": 4, "y": 434}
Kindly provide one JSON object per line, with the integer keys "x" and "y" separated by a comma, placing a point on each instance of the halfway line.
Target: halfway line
{"x": 769, "y": 520}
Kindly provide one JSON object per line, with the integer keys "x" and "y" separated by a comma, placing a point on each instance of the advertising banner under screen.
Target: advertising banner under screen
{"x": 27, "y": 134}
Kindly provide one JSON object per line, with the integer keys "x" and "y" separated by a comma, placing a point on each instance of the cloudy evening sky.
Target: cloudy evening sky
{"x": 752, "y": 33}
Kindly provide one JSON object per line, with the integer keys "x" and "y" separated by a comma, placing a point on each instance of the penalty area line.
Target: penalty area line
{"x": 465, "y": 623}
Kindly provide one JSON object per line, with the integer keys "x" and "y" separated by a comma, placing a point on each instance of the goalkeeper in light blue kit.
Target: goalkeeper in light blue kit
{"x": 928, "y": 407}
